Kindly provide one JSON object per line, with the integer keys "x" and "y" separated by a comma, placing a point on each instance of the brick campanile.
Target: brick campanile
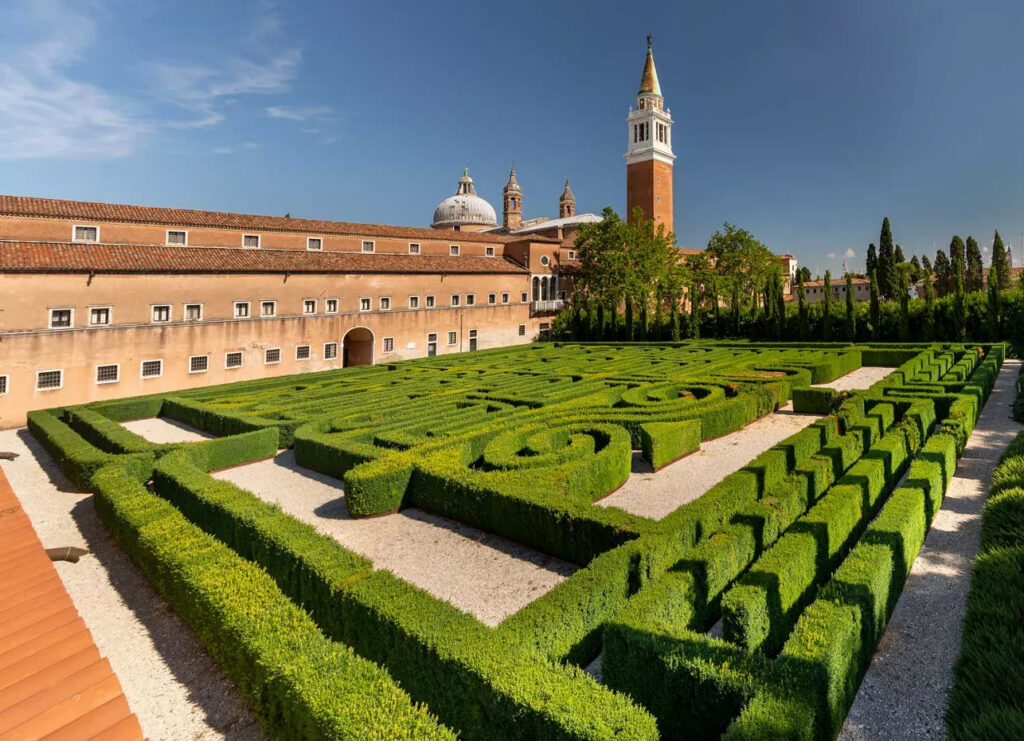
{"x": 649, "y": 155}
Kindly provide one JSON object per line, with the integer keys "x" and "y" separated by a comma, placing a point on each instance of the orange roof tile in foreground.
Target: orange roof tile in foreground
{"x": 52, "y": 208}
{"x": 64, "y": 257}
{"x": 53, "y": 681}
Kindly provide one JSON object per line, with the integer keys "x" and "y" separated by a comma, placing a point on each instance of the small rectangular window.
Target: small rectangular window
{"x": 331, "y": 306}
{"x": 233, "y": 359}
{"x": 193, "y": 312}
{"x": 61, "y": 318}
{"x": 302, "y": 352}
{"x": 389, "y": 344}
{"x": 49, "y": 380}
{"x": 385, "y": 303}
{"x": 161, "y": 313}
{"x": 523, "y": 298}
{"x": 330, "y": 350}
{"x": 364, "y": 304}
{"x": 456, "y": 299}
{"x": 314, "y": 244}
{"x": 572, "y": 254}
{"x": 432, "y": 337}
{"x": 488, "y": 251}
{"x": 152, "y": 368}
{"x": 504, "y": 298}
{"x": 522, "y": 330}
{"x": 492, "y": 298}
{"x": 99, "y": 316}
{"x": 414, "y": 248}
{"x": 470, "y": 299}
{"x": 368, "y": 246}
{"x": 309, "y": 306}
{"x": 268, "y": 308}
{"x": 86, "y": 234}
{"x": 414, "y": 302}
{"x": 241, "y": 309}
{"x": 453, "y": 250}
{"x": 430, "y": 302}
{"x": 199, "y": 364}
{"x": 110, "y": 373}
{"x": 5, "y": 384}
{"x": 177, "y": 237}
{"x": 453, "y": 337}
{"x": 251, "y": 240}
{"x": 272, "y": 355}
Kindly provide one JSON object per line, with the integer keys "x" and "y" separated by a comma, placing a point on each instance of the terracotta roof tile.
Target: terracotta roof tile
{"x": 46, "y": 257}
{"x": 53, "y": 208}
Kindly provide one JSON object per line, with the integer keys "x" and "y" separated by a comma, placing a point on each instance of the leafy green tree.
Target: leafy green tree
{"x": 740, "y": 259}
{"x": 959, "y": 316}
{"x": 926, "y": 265}
{"x": 956, "y": 250}
{"x": 695, "y": 311}
{"x": 875, "y": 308}
{"x": 716, "y": 308}
{"x": 734, "y": 309}
{"x": 871, "y": 263}
{"x": 899, "y": 255}
{"x": 994, "y": 301}
{"x": 974, "y": 274}
{"x": 827, "y": 324}
{"x": 943, "y": 274}
{"x": 887, "y": 279}
{"x": 630, "y": 326}
{"x": 674, "y": 319}
{"x": 805, "y": 273}
{"x": 904, "y": 289}
{"x": 801, "y": 298}
{"x": 915, "y": 270}
{"x": 851, "y": 313}
{"x": 1000, "y": 263}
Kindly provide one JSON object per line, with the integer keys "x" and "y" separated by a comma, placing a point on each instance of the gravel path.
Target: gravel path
{"x": 861, "y": 378}
{"x": 480, "y": 573}
{"x": 904, "y": 692}
{"x": 172, "y": 684}
{"x": 162, "y": 430}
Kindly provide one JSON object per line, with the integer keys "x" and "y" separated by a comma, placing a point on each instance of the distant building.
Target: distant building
{"x": 814, "y": 290}
{"x": 789, "y": 269}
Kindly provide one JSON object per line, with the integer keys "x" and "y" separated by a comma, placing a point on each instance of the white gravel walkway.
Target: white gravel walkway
{"x": 161, "y": 430}
{"x": 172, "y": 684}
{"x": 656, "y": 495}
{"x": 480, "y": 573}
{"x": 904, "y": 692}
{"x": 855, "y": 380}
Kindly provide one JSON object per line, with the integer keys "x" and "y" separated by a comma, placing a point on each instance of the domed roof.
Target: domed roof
{"x": 465, "y": 207}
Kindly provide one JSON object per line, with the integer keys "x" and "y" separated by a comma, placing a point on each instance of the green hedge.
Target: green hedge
{"x": 299, "y": 684}
{"x": 814, "y": 400}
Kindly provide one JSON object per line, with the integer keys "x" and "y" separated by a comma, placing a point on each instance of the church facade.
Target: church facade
{"x": 101, "y": 301}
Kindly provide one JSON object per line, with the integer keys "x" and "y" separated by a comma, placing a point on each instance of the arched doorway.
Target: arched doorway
{"x": 357, "y": 347}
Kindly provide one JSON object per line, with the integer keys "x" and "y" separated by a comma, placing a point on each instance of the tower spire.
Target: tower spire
{"x": 513, "y": 201}
{"x": 566, "y": 202}
{"x": 649, "y": 81}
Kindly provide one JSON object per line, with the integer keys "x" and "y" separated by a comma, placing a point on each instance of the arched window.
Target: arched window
{"x": 536, "y": 289}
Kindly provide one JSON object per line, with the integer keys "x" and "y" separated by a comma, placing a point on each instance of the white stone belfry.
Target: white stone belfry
{"x": 650, "y": 123}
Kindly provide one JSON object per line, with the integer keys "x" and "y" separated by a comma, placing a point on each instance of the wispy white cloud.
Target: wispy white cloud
{"x": 298, "y": 113}
{"x": 44, "y": 110}
{"x": 831, "y": 255}
{"x": 849, "y": 253}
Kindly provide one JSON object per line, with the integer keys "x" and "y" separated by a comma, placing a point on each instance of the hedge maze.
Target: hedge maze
{"x": 749, "y": 613}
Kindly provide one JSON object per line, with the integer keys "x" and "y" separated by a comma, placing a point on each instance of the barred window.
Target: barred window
{"x": 50, "y": 379}
{"x": 4, "y": 384}
{"x": 302, "y": 352}
{"x": 522, "y": 330}
{"x": 108, "y": 373}
{"x": 199, "y": 364}
{"x": 152, "y": 368}
{"x": 233, "y": 359}
{"x": 389, "y": 344}
{"x": 272, "y": 355}
{"x": 330, "y": 350}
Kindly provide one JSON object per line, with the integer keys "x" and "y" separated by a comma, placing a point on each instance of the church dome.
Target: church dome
{"x": 464, "y": 208}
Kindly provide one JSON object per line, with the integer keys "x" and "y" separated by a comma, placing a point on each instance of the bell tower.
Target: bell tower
{"x": 566, "y": 202}
{"x": 513, "y": 198}
{"x": 649, "y": 158}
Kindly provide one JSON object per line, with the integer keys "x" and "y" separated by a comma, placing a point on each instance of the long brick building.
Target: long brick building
{"x": 99, "y": 301}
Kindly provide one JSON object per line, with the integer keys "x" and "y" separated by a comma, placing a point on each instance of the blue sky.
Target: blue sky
{"x": 804, "y": 122}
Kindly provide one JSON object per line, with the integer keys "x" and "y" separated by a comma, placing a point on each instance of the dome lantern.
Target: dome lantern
{"x": 464, "y": 209}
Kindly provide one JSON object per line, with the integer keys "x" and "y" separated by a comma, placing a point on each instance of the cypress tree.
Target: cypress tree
{"x": 1000, "y": 263}
{"x": 630, "y": 327}
{"x": 994, "y": 301}
{"x": 926, "y": 265}
{"x": 928, "y": 320}
{"x": 899, "y": 255}
{"x": 827, "y": 325}
{"x": 674, "y": 319}
{"x": 694, "y": 312}
{"x": 904, "y": 289}
{"x": 851, "y": 315}
{"x": 974, "y": 276}
{"x": 871, "y": 264}
{"x": 956, "y": 250}
{"x": 769, "y": 306}
{"x": 959, "y": 317}
{"x": 735, "y": 309}
{"x": 780, "y": 307}
{"x": 915, "y": 269}
{"x": 602, "y": 329}
{"x": 875, "y": 310}
{"x": 886, "y": 262}
{"x": 943, "y": 274}
{"x": 801, "y": 307}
